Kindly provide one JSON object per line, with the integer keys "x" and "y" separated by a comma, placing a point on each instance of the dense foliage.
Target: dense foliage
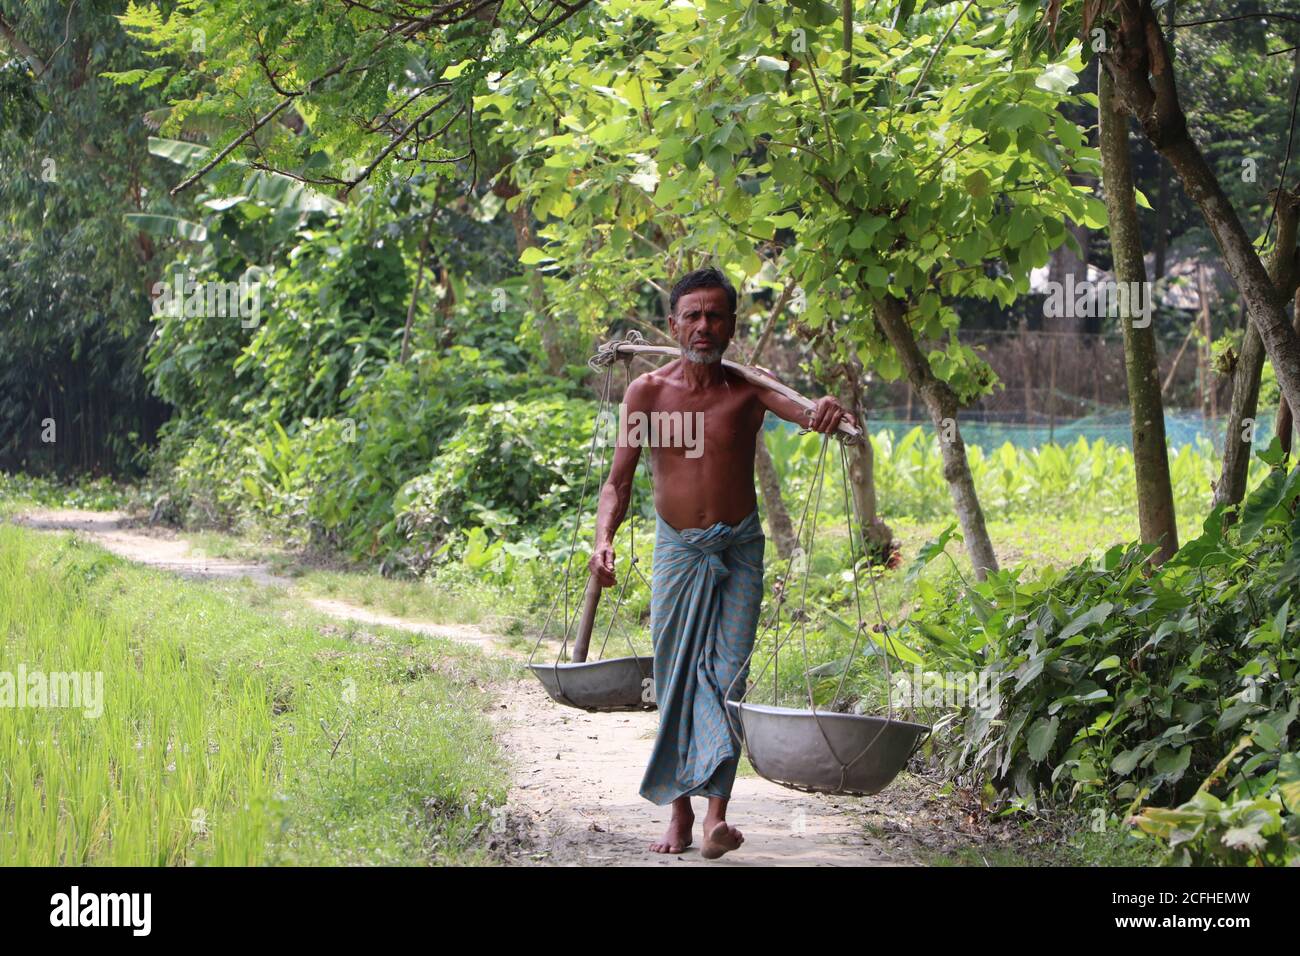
{"x": 74, "y": 282}
{"x": 1121, "y": 685}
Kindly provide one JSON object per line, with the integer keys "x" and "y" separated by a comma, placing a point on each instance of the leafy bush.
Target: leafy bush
{"x": 333, "y": 308}
{"x": 96, "y": 494}
{"x": 1244, "y": 829}
{"x": 509, "y": 463}
{"x": 332, "y": 478}
{"x": 1119, "y": 683}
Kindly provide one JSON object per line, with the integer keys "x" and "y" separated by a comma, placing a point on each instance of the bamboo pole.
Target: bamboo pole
{"x": 750, "y": 374}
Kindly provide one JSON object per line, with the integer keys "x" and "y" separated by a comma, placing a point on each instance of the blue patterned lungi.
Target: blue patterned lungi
{"x": 706, "y": 592}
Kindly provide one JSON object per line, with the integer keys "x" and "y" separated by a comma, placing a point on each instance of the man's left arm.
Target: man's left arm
{"x": 824, "y": 417}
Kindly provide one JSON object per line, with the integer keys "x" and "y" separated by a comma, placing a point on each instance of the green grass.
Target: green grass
{"x": 478, "y": 604}
{"x": 19, "y": 491}
{"x": 498, "y": 609}
{"x": 262, "y": 548}
{"x": 1071, "y": 845}
{"x": 229, "y": 734}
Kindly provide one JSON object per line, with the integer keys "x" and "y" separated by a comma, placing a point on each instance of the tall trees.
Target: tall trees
{"x": 1240, "y": 431}
{"x": 1131, "y": 43}
{"x": 1137, "y": 56}
{"x": 889, "y": 171}
{"x": 1155, "y": 499}
{"x": 942, "y": 403}
{"x": 847, "y": 379}
{"x": 779, "y": 525}
{"x": 73, "y": 277}
{"x": 937, "y": 176}
{"x": 1239, "y": 436}
{"x": 346, "y": 96}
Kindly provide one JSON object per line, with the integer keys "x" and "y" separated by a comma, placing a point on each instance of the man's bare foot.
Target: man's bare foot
{"x": 719, "y": 838}
{"x": 678, "y": 835}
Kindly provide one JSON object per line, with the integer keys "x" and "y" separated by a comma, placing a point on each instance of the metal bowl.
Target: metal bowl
{"x": 786, "y": 747}
{"x": 621, "y": 683}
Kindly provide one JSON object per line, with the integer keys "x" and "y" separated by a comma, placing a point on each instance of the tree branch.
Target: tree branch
{"x": 21, "y": 47}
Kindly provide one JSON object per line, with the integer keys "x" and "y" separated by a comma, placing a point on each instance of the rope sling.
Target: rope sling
{"x": 844, "y": 767}
{"x": 624, "y": 687}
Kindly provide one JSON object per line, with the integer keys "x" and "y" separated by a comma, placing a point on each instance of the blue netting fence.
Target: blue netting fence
{"x": 1181, "y": 428}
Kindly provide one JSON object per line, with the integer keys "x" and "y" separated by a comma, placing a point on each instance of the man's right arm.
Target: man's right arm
{"x": 616, "y": 493}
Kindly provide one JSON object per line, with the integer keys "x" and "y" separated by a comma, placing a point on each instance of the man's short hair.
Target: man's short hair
{"x": 709, "y": 278}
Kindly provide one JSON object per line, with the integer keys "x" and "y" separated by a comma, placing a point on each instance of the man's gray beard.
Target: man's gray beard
{"x": 707, "y": 357}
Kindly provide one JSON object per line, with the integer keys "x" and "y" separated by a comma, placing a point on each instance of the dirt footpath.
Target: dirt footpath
{"x": 576, "y": 782}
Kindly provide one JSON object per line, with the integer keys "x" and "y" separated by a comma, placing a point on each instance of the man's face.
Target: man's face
{"x": 703, "y": 325}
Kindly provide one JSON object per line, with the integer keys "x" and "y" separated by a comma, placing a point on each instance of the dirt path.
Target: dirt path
{"x": 575, "y": 797}
{"x": 577, "y": 777}
{"x": 160, "y": 548}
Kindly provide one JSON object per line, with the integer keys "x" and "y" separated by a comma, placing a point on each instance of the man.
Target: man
{"x": 707, "y": 585}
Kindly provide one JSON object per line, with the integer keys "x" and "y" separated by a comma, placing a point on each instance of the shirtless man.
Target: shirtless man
{"x": 697, "y": 491}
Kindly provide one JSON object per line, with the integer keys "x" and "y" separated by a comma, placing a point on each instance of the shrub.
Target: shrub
{"x": 509, "y": 463}
{"x": 1119, "y": 683}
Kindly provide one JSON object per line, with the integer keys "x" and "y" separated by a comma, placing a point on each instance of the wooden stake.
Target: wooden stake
{"x": 583, "y": 641}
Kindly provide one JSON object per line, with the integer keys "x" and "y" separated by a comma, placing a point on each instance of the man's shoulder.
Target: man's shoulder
{"x": 735, "y": 376}
{"x": 737, "y": 381}
{"x": 645, "y": 388}
{"x": 654, "y": 379}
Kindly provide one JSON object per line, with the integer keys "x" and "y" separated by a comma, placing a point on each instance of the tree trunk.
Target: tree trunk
{"x": 1162, "y": 188}
{"x": 1285, "y": 420}
{"x": 878, "y": 540}
{"x": 521, "y": 217}
{"x": 1238, "y": 433}
{"x": 1204, "y": 362}
{"x": 1155, "y": 498}
{"x": 415, "y": 292}
{"x": 1178, "y": 356}
{"x": 845, "y": 381}
{"x": 1283, "y": 426}
{"x": 1138, "y": 59}
{"x": 769, "y": 484}
{"x": 1026, "y": 369}
{"x": 941, "y": 402}
{"x": 1066, "y": 262}
{"x": 1231, "y": 486}
{"x": 1162, "y": 221}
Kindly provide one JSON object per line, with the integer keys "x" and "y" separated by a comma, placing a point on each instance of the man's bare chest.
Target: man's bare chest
{"x": 694, "y": 425}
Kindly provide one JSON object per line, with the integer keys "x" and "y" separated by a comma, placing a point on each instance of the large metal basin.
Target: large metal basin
{"x": 786, "y": 746}
{"x": 621, "y": 683}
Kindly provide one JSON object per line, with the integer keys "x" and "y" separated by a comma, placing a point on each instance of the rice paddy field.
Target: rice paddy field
{"x": 228, "y": 732}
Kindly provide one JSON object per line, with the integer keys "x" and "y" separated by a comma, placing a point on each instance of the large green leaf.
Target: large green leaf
{"x": 1094, "y": 615}
{"x": 168, "y": 227}
{"x": 1266, "y": 501}
{"x": 178, "y": 151}
{"x": 1041, "y": 737}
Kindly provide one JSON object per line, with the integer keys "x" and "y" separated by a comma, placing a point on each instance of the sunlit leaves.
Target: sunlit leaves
{"x": 955, "y": 191}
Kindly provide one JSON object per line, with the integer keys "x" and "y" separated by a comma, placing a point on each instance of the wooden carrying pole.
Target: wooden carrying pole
{"x": 747, "y": 372}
